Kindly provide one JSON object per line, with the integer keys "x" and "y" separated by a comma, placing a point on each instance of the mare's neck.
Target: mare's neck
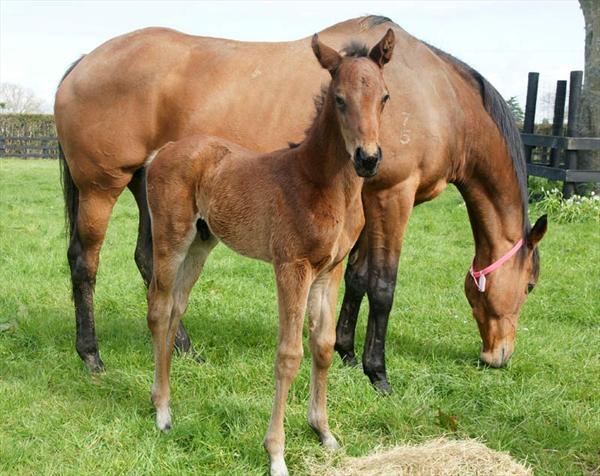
{"x": 323, "y": 156}
{"x": 496, "y": 212}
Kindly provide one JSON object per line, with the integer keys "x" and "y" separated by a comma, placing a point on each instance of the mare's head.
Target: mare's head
{"x": 497, "y": 302}
{"x": 358, "y": 93}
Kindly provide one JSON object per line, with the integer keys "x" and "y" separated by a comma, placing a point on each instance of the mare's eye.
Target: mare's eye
{"x": 339, "y": 102}
{"x": 385, "y": 98}
{"x": 530, "y": 287}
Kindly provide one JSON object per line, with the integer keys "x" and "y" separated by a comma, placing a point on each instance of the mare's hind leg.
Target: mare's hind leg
{"x": 143, "y": 252}
{"x": 84, "y": 249}
{"x": 356, "y": 279}
{"x": 176, "y": 273}
{"x": 321, "y": 311}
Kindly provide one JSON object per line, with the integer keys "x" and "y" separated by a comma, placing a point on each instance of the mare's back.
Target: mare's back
{"x": 138, "y": 91}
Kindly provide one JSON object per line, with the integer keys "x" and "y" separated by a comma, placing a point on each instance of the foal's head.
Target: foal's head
{"x": 359, "y": 94}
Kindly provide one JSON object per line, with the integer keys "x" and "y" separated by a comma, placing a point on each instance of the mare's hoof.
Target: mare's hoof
{"x": 350, "y": 361}
{"x": 348, "y": 358}
{"x": 93, "y": 362}
{"x": 197, "y": 357}
{"x": 382, "y": 387}
{"x": 190, "y": 353}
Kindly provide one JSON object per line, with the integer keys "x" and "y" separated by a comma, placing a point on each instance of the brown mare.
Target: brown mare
{"x": 444, "y": 124}
{"x": 299, "y": 209}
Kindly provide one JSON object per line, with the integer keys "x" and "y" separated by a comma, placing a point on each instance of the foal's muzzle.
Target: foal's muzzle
{"x": 366, "y": 165}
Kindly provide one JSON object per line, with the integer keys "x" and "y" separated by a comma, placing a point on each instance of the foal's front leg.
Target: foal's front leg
{"x": 293, "y": 284}
{"x": 321, "y": 313}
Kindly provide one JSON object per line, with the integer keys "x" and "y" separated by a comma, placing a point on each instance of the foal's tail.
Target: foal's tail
{"x": 70, "y": 193}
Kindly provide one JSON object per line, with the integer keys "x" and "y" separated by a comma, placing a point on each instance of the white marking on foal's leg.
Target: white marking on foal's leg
{"x": 163, "y": 418}
{"x": 278, "y": 467}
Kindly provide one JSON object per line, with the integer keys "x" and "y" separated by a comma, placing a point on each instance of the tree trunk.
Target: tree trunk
{"x": 589, "y": 113}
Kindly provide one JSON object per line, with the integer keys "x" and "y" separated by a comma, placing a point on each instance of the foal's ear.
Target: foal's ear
{"x": 537, "y": 232}
{"x": 328, "y": 57}
{"x": 382, "y": 51}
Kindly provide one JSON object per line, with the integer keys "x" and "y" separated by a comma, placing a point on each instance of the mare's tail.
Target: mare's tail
{"x": 70, "y": 193}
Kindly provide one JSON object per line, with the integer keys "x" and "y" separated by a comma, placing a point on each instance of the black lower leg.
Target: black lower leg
{"x": 381, "y": 295}
{"x": 83, "y": 282}
{"x": 356, "y": 287}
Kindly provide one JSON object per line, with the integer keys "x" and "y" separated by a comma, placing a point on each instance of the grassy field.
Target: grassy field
{"x": 57, "y": 419}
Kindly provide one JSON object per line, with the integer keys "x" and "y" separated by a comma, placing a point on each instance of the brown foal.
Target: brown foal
{"x": 298, "y": 208}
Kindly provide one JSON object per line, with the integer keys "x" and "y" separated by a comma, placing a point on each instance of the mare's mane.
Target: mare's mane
{"x": 499, "y": 111}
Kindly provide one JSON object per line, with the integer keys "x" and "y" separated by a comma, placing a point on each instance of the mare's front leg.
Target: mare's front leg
{"x": 293, "y": 284}
{"x": 321, "y": 312}
{"x": 356, "y": 287}
{"x": 386, "y": 213}
{"x": 143, "y": 253}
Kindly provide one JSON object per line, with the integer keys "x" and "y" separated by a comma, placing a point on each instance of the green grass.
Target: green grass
{"x": 57, "y": 419}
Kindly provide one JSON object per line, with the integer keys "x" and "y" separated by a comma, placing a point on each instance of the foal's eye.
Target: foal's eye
{"x": 385, "y": 98}
{"x": 339, "y": 102}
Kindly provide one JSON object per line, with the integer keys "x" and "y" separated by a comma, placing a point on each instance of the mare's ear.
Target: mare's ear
{"x": 328, "y": 57}
{"x": 382, "y": 51}
{"x": 537, "y": 232}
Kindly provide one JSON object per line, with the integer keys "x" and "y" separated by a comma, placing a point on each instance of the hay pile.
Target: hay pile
{"x": 439, "y": 457}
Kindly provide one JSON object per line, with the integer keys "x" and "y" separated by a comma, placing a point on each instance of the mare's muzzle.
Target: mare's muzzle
{"x": 366, "y": 165}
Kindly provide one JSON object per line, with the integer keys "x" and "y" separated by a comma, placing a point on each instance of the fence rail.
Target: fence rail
{"x": 556, "y": 157}
{"x": 39, "y": 147}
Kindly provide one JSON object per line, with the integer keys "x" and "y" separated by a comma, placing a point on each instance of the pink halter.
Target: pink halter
{"x": 479, "y": 276}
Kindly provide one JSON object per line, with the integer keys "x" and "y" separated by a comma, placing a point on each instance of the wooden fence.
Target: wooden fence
{"x": 39, "y": 147}
{"x": 556, "y": 157}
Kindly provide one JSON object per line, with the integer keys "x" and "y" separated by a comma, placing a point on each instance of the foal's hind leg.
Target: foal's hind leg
{"x": 356, "y": 279}
{"x": 84, "y": 249}
{"x": 143, "y": 252}
{"x": 167, "y": 301}
{"x": 321, "y": 312}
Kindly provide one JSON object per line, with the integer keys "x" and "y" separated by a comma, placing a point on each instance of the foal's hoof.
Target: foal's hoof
{"x": 93, "y": 362}
{"x": 278, "y": 468}
{"x": 329, "y": 442}
{"x": 163, "y": 419}
{"x": 382, "y": 387}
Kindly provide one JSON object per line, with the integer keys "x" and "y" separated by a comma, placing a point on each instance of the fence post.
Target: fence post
{"x": 529, "y": 120}
{"x": 44, "y": 149}
{"x": 575, "y": 82}
{"x": 558, "y": 120}
{"x": 2, "y": 147}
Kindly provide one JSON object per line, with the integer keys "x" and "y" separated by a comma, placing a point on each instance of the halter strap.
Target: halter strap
{"x": 479, "y": 276}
